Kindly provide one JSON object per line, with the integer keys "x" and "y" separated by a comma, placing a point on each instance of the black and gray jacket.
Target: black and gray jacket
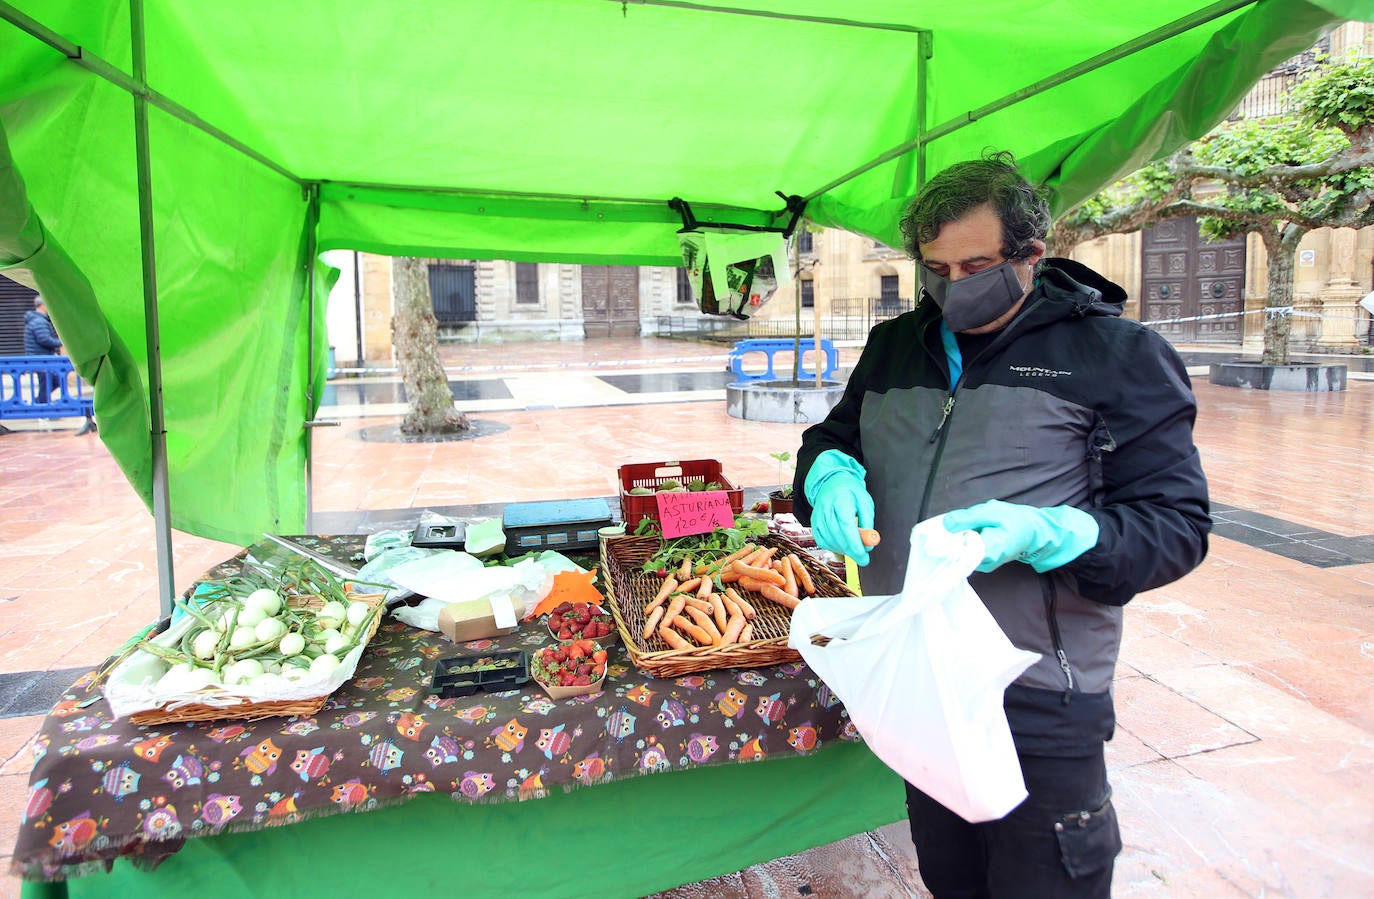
{"x": 1070, "y": 404}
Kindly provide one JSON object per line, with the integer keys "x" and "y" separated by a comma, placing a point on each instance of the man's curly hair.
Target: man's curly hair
{"x": 964, "y": 186}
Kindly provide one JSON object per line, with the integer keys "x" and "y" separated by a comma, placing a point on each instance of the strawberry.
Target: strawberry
{"x": 582, "y": 680}
{"x": 599, "y": 657}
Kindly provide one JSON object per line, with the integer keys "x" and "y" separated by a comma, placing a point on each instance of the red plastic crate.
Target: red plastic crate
{"x": 652, "y": 474}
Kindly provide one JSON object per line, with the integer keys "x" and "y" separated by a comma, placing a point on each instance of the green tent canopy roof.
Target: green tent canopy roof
{"x": 535, "y": 130}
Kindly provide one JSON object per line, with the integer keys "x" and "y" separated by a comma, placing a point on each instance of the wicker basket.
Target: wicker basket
{"x": 254, "y": 711}
{"x": 630, "y": 589}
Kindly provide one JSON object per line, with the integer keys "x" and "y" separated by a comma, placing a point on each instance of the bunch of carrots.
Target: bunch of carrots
{"x": 689, "y": 611}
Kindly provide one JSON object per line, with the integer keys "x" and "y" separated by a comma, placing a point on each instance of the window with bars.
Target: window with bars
{"x": 804, "y": 242}
{"x": 889, "y": 288}
{"x": 526, "y": 282}
{"x": 808, "y": 293}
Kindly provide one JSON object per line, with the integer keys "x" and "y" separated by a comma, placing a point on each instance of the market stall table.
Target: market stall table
{"x": 232, "y": 808}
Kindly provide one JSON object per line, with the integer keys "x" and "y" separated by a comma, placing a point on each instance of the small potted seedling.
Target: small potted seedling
{"x": 780, "y": 500}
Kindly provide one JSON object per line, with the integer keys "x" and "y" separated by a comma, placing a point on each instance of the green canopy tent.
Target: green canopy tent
{"x": 170, "y": 170}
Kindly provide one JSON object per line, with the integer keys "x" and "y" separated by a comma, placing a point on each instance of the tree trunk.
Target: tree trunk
{"x": 415, "y": 335}
{"x": 1281, "y": 245}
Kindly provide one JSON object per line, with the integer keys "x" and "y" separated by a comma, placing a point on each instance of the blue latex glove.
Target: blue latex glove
{"x": 1042, "y": 538}
{"x": 840, "y": 504}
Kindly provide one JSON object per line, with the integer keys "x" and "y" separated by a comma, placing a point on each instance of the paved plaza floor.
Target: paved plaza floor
{"x": 1243, "y": 763}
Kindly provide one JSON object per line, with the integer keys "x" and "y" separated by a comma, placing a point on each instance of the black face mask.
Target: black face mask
{"x": 976, "y": 300}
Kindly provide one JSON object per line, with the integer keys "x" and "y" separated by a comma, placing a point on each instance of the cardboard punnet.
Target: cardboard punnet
{"x": 475, "y": 619}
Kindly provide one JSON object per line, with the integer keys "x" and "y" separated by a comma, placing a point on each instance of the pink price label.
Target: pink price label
{"x": 681, "y": 514}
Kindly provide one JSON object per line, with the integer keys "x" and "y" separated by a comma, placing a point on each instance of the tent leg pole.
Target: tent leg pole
{"x": 312, "y": 220}
{"x": 157, "y": 426}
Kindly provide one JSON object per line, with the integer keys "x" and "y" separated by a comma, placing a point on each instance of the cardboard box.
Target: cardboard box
{"x": 475, "y": 620}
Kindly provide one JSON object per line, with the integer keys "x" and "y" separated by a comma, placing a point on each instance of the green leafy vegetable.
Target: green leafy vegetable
{"x": 701, "y": 547}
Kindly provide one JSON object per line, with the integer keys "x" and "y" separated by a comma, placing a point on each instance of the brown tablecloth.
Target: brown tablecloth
{"x": 102, "y": 788}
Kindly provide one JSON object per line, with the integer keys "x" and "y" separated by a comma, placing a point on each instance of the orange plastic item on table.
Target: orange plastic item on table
{"x": 568, "y": 586}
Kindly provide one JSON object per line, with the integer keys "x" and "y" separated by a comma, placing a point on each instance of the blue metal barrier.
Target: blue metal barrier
{"x": 769, "y": 346}
{"x": 41, "y": 387}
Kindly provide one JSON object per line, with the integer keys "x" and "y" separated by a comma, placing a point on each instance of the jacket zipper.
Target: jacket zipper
{"x": 1001, "y": 340}
{"x": 924, "y": 512}
{"x": 1051, "y": 615}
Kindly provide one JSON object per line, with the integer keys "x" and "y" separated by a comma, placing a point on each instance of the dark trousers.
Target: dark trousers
{"x": 1060, "y": 843}
{"x": 44, "y": 383}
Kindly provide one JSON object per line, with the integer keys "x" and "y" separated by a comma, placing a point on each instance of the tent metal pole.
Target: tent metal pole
{"x": 1163, "y": 33}
{"x": 312, "y": 220}
{"x": 902, "y": 176}
{"x": 766, "y": 14}
{"x": 358, "y": 305}
{"x": 1159, "y": 35}
{"x": 923, "y": 101}
{"x": 157, "y": 426}
{"x": 136, "y": 85}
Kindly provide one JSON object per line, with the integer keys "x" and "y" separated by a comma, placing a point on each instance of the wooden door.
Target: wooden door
{"x": 610, "y": 300}
{"x": 1184, "y": 276}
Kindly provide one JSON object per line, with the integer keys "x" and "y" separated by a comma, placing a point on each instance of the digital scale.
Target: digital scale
{"x": 561, "y": 525}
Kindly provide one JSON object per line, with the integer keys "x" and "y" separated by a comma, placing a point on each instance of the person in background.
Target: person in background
{"x": 40, "y": 339}
{"x": 1017, "y": 402}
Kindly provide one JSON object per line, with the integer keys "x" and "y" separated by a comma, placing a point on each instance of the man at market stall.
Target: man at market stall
{"x": 1018, "y": 402}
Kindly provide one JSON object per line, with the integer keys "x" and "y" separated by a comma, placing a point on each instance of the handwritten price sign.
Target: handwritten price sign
{"x": 681, "y": 514}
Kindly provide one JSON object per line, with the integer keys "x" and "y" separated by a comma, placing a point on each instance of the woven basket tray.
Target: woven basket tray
{"x": 630, "y": 589}
{"x": 254, "y": 711}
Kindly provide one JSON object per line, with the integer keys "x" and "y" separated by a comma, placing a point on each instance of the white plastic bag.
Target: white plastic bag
{"x": 922, "y": 675}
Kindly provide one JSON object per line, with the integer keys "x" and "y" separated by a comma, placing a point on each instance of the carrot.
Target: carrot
{"x": 786, "y": 600}
{"x": 763, "y": 556}
{"x": 731, "y": 607}
{"x": 718, "y": 610}
{"x": 705, "y": 623}
{"x": 684, "y": 570}
{"x": 673, "y": 639}
{"x": 789, "y": 576}
{"x": 756, "y": 585}
{"x": 694, "y": 603}
{"x": 674, "y": 609}
{"x": 689, "y": 585}
{"x": 720, "y": 564}
{"x": 747, "y": 634}
{"x": 669, "y": 585}
{"x": 697, "y": 633}
{"x": 733, "y": 629}
{"x": 740, "y": 601}
{"x": 730, "y": 573}
{"x": 652, "y": 622}
{"x": 705, "y": 589}
{"x": 766, "y": 575}
{"x": 869, "y": 537}
{"x": 804, "y": 579}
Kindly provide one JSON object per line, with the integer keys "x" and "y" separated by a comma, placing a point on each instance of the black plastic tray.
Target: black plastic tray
{"x": 450, "y": 682}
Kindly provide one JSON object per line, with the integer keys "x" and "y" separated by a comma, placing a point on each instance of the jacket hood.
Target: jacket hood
{"x": 1088, "y": 292}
